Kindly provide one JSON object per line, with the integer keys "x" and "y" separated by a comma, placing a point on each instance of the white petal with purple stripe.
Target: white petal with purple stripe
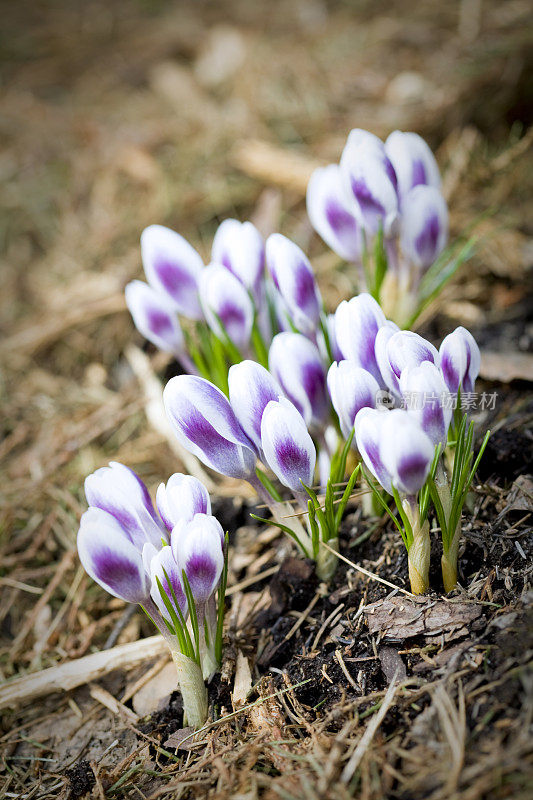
{"x": 172, "y": 266}
{"x": 287, "y": 445}
{"x": 332, "y": 213}
{"x": 205, "y": 424}
{"x": 413, "y": 161}
{"x": 406, "y": 451}
{"x": 197, "y": 546}
{"x": 408, "y": 349}
{"x": 369, "y": 178}
{"x": 239, "y": 247}
{"x": 251, "y": 388}
{"x": 424, "y": 226}
{"x": 154, "y": 317}
{"x": 460, "y": 360}
{"x": 226, "y": 303}
{"x": 182, "y": 497}
{"x": 297, "y": 365}
{"x": 368, "y": 429}
{"x": 351, "y": 388}
{"x": 428, "y": 400}
{"x": 110, "y": 557}
{"x": 357, "y": 322}
{"x": 294, "y": 279}
{"x": 119, "y": 491}
{"x": 163, "y": 566}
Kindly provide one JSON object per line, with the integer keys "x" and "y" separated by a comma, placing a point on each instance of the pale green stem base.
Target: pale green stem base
{"x": 326, "y": 562}
{"x": 193, "y": 690}
{"x": 419, "y": 551}
{"x": 449, "y": 562}
{"x": 449, "y": 556}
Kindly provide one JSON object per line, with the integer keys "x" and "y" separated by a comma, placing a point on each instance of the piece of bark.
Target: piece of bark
{"x": 392, "y": 664}
{"x": 399, "y": 618}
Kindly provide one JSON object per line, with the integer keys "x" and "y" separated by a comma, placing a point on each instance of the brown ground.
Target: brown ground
{"x": 116, "y": 115}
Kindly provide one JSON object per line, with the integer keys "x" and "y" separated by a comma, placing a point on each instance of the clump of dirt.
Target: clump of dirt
{"x": 81, "y": 779}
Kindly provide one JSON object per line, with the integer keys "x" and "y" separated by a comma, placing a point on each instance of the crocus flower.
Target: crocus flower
{"x": 413, "y": 161}
{"x": 155, "y": 317}
{"x": 251, "y": 388}
{"x": 406, "y": 451}
{"x": 117, "y": 490}
{"x": 424, "y": 226}
{"x": 239, "y": 247}
{"x": 296, "y": 364}
{"x": 370, "y": 179}
{"x": 181, "y": 498}
{"x": 204, "y": 423}
{"x": 227, "y": 305}
{"x": 112, "y": 557}
{"x": 389, "y": 377}
{"x": 402, "y": 350}
{"x": 460, "y": 360}
{"x": 351, "y": 388}
{"x": 172, "y": 266}
{"x": 287, "y": 445}
{"x": 332, "y": 214}
{"x": 426, "y": 396}
{"x": 294, "y": 279}
{"x": 197, "y": 548}
{"x": 357, "y": 322}
{"x": 368, "y": 427}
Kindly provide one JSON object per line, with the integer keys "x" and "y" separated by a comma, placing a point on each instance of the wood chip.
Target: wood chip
{"x": 399, "y": 619}
{"x": 243, "y": 681}
{"x": 507, "y": 366}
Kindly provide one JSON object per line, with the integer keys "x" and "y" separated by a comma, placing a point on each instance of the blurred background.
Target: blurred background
{"x": 116, "y": 115}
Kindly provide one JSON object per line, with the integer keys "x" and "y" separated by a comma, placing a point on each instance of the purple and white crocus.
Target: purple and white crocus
{"x": 239, "y": 247}
{"x": 205, "y": 424}
{"x": 293, "y": 277}
{"x": 296, "y": 364}
{"x": 227, "y": 306}
{"x": 460, "y": 360}
{"x": 287, "y": 445}
{"x": 141, "y": 558}
{"x": 154, "y": 316}
{"x": 392, "y": 187}
{"x": 357, "y": 323}
{"x": 398, "y": 453}
{"x": 173, "y": 267}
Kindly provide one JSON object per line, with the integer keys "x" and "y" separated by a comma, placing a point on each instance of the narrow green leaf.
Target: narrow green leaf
{"x": 315, "y": 533}
{"x": 221, "y": 602}
{"x": 267, "y": 483}
{"x": 192, "y": 614}
{"x": 285, "y": 529}
{"x": 346, "y": 496}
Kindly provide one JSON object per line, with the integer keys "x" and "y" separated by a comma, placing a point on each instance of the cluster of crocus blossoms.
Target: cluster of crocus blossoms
{"x": 231, "y": 308}
{"x": 382, "y": 209}
{"x": 171, "y": 563}
{"x": 280, "y": 394}
{"x": 271, "y": 421}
